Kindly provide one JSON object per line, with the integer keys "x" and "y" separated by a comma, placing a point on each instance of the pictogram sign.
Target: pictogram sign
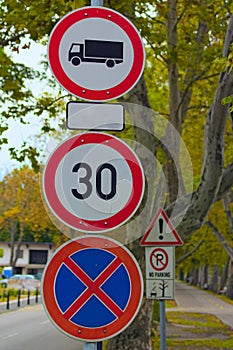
{"x": 96, "y": 53}
{"x": 92, "y": 288}
{"x": 160, "y": 289}
{"x": 161, "y": 232}
{"x": 93, "y": 182}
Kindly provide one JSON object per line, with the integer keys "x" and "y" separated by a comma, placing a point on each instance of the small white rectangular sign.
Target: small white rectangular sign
{"x": 95, "y": 116}
{"x": 160, "y": 262}
{"x": 160, "y": 289}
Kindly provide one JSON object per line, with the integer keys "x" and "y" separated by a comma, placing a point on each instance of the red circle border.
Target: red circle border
{"x": 109, "y": 15}
{"x": 49, "y": 297}
{"x": 84, "y": 225}
{"x": 166, "y": 256}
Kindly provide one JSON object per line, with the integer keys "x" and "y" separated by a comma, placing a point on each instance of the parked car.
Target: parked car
{"x": 20, "y": 282}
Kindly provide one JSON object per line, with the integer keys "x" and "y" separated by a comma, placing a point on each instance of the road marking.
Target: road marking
{"x": 10, "y": 335}
{"x": 44, "y": 322}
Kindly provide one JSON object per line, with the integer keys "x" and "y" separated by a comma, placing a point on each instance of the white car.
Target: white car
{"x": 20, "y": 282}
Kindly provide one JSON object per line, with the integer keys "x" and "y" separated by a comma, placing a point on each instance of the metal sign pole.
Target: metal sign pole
{"x": 162, "y": 325}
{"x": 97, "y": 2}
{"x": 94, "y": 346}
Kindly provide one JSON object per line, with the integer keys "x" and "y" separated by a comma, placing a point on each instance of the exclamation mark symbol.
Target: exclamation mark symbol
{"x": 161, "y": 229}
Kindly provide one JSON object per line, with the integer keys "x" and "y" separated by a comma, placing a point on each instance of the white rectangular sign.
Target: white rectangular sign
{"x": 160, "y": 272}
{"x": 161, "y": 289}
{"x": 95, "y": 116}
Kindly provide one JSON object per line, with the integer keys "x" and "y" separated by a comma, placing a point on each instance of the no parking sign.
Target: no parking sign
{"x": 92, "y": 288}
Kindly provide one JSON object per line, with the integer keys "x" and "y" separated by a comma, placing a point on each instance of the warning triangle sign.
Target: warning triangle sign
{"x": 161, "y": 232}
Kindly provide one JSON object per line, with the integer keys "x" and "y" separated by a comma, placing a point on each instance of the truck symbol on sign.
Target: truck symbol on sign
{"x": 97, "y": 51}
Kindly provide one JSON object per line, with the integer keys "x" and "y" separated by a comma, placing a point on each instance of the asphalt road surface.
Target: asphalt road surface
{"x": 192, "y": 299}
{"x": 28, "y": 328}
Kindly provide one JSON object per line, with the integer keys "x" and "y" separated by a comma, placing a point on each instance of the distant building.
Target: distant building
{"x": 32, "y": 259}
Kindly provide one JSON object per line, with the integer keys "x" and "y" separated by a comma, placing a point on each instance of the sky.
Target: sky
{"x": 17, "y": 132}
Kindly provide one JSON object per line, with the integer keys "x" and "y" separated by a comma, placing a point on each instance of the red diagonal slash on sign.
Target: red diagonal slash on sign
{"x": 93, "y": 287}
{"x": 159, "y": 259}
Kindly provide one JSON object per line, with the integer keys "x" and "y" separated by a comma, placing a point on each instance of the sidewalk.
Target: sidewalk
{"x": 192, "y": 299}
{"x": 13, "y": 304}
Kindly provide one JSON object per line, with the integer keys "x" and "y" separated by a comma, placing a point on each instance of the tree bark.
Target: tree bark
{"x": 229, "y": 291}
{"x": 223, "y": 281}
{"x": 214, "y": 279}
{"x": 137, "y": 336}
{"x": 221, "y": 239}
{"x": 212, "y": 172}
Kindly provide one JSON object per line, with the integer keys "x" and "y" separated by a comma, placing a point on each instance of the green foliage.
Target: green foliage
{"x": 210, "y": 252}
{"x": 195, "y": 331}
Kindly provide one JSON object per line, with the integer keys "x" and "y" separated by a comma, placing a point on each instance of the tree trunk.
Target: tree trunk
{"x": 223, "y": 281}
{"x": 212, "y": 172}
{"x": 138, "y": 334}
{"x": 229, "y": 291}
{"x": 13, "y": 232}
{"x": 204, "y": 277}
{"x": 214, "y": 279}
{"x": 195, "y": 274}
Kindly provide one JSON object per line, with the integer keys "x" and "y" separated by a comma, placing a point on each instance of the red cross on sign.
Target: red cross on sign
{"x": 92, "y": 288}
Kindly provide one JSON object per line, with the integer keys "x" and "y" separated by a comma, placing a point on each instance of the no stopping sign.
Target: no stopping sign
{"x": 103, "y": 288}
{"x": 93, "y": 182}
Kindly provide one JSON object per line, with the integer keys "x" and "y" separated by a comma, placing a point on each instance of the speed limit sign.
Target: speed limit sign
{"x": 93, "y": 182}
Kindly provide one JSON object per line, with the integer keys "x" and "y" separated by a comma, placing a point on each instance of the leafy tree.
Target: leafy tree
{"x": 22, "y": 214}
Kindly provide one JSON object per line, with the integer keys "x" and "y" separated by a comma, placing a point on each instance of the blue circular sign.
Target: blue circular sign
{"x": 82, "y": 273}
{"x": 92, "y": 288}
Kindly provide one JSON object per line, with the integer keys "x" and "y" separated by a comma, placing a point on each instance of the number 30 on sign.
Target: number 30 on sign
{"x": 93, "y": 182}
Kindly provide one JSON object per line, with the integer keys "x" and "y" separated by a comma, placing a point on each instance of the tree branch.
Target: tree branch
{"x": 221, "y": 239}
{"x": 213, "y": 174}
{"x": 226, "y": 206}
{"x": 12, "y": 39}
{"x": 185, "y": 256}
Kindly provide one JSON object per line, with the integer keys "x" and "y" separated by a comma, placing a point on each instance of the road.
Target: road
{"x": 193, "y": 299}
{"x": 29, "y": 328}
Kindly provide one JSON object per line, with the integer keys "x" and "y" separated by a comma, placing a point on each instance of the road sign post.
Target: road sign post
{"x": 97, "y": 2}
{"x": 94, "y": 346}
{"x": 159, "y": 241}
{"x": 94, "y": 182}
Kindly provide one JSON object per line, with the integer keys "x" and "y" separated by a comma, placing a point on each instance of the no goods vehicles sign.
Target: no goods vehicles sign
{"x": 96, "y": 54}
{"x": 93, "y": 182}
{"x": 92, "y": 288}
